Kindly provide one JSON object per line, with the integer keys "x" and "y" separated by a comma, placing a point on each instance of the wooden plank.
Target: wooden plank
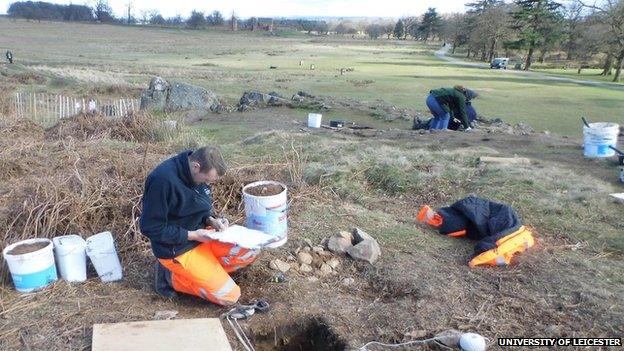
{"x": 182, "y": 334}
{"x": 505, "y": 160}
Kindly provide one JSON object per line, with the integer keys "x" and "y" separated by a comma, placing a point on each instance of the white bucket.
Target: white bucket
{"x": 598, "y": 137}
{"x": 71, "y": 257}
{"x": 314, "y": 120}
{"x": 268, "y": 214}
{"x": 101, "y": 251}
{"x": 34, "y": 270}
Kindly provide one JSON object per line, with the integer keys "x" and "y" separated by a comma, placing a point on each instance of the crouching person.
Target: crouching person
{"x": 177, "y": 210}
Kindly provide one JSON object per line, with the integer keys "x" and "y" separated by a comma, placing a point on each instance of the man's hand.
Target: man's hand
{"x": 220, "y": 224}
{"x": 201, "y": 235}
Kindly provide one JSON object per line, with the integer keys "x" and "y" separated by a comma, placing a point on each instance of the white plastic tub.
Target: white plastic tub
{"x": 314, "y": 120}
{"x": 598, "y": 137}
{"x": 101, "y": 251}
{"x": 70, "y": 252}
{"x": 34, "y": 270}
{"x": 268, "y": 214}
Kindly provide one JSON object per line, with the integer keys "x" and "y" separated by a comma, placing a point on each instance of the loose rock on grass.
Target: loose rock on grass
{"x": 357, "y": 244}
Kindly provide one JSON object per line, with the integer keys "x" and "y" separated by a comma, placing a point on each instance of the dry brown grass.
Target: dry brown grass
{"x": 6, "y": 103}
{"x": 136, "y": 127}
{"x": 24, "y": 78}
{"x": 57, "y": 187}
{"x": 73, "y": 178}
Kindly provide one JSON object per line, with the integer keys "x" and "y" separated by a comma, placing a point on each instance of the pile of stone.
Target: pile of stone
{"x": 497, "y": 125}
{"x": 255, "y": 99}
{"x": 390, "y": 113}
{"x": 309, "y": 260}
{"x": 251, "y": 99}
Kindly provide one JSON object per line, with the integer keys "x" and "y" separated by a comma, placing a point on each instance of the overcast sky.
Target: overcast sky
{"x": 279, "y": 8}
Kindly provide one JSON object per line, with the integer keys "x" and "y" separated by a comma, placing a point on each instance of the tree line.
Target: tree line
{"x": 101, "y": 11}
{"x": 580, "y": 31}
{"x": 576, "y": 30}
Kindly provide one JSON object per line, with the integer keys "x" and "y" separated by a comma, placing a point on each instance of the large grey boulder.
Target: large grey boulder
{"x": 161, "y": 95}
{"x": 155, "y": 97}
{"x": 190, "y": 97}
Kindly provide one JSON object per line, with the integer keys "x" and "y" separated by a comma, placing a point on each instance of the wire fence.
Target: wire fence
{"x": 48, "y": 109}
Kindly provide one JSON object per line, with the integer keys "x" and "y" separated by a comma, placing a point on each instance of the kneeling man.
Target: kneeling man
{"x": 177, "y": 209}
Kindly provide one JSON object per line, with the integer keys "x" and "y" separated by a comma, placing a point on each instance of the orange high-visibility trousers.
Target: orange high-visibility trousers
{"x": 506, "y": 247}
{"x": 203, "y": 271}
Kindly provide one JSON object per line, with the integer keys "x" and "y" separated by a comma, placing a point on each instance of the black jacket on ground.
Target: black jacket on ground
{"x": 484, "y": 220}
{"x": 172, "y": 206}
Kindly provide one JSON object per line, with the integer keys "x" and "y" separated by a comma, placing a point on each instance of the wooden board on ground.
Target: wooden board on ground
{"x": 181, "y": 334}
{"x": 506, "y": 160}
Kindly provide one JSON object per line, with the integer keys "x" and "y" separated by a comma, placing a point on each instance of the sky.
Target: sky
{"x": 278, "y": 8}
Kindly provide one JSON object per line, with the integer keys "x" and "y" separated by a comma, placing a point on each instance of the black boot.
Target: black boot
{"x": 163, "y": 284}
{"x": 419, "y": 124}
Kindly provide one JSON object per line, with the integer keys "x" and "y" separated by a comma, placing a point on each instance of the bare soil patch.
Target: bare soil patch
{"x": 27, "y": 248}
{"x": 265, "y": 190}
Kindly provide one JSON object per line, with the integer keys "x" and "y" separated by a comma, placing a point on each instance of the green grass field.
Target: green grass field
{"x": 397, "y": 72}
{"x": 587, "y": 73}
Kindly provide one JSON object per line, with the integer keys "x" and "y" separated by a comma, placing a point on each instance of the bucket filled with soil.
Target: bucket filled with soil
{"x": 31, "y": 263}
{"x": 266, "y": 207}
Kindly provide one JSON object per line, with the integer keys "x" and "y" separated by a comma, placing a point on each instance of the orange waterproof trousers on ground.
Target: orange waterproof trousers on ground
{"x": 203, "y": 271}
{"x": 506, "y": 247}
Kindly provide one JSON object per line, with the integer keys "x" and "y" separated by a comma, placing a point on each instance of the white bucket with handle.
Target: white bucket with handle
{"x": 101, "y": 251}
{"x": 32, "y": 270}
{"x": 268, "y": 214}
{"x": 70, "y": 252}
{"x": 598, "y": 137}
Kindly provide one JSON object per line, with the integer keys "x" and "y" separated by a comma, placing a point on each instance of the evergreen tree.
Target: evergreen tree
{"x": 431, "y": 23}
{"x": 537, "y": 22}
{"x": 399, "y": 29}
{"x": 197, "y": 20}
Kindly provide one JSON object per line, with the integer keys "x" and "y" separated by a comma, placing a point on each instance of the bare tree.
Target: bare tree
{"x": 129, "y": 12}
{"x": 103, "y": 11}
{"x": 456, "y": 30}
{"x": 612, "y": 13}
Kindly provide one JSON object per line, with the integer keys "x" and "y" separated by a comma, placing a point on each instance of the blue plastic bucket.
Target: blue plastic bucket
{"x": 268, "y": 214}
{"x": 33, "y": 270}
